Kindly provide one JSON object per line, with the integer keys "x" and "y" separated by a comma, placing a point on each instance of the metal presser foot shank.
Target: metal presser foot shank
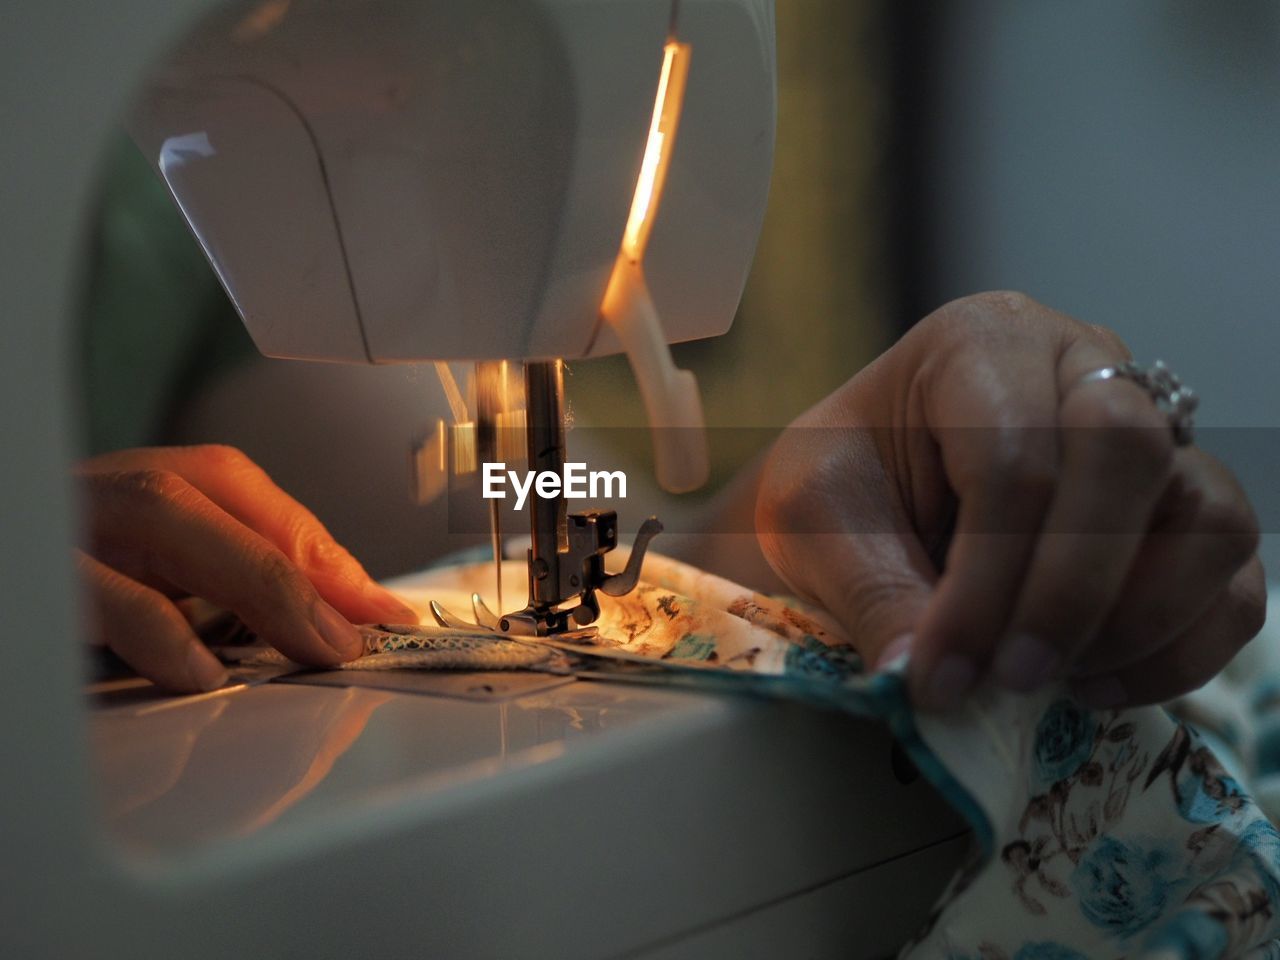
{"x": 575, "y": 574}
{"x": 566, "y": 556}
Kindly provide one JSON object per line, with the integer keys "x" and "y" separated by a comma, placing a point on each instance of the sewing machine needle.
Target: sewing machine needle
{"x": 495, "y": 528}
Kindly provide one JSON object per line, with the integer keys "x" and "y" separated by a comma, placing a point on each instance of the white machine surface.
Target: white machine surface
{"x": 330, "y": 818}
{"x": 553, "y": 817}
{"x": 575, "y": 819}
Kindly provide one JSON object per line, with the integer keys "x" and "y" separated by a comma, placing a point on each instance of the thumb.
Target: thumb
{"x": 877, "y": 585}
{"x": 832, "y": 529}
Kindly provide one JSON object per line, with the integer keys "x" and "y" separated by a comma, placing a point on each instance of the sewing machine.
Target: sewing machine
{"x": 396, "y": 183}
{"x": 484, "y": 182}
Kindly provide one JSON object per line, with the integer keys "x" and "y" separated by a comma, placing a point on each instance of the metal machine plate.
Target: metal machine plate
{"x": 491, "y": 687}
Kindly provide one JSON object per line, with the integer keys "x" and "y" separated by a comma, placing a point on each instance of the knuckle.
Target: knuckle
{"x": 1252, "y": 616}
{"x": 1023, "y": 466}
{"x": 1010, "y": 302}
{"x": 871, "y": 602}
{"x": 800, "y": 472}
{"x": 317, "y": 550}
{"x": 781, "y": 504}
{"x": 1111, "y": 340}
{"x": 992, "y": 310}
{"x": 1005, "y": 303}
{"x": 1225, "y": 507}
{"x": 782, "y": 514}
{"x": 306, "y": 541}
{"x": 153, "y": 487}
{"x": 777, "y": 497}
{"x": 1249, "y": 608}
{"x": 995, "y": 320}
{"x": 223, "y": 456}
{"x": 780, "y": 552}
{"x": 1232, "y": 527}
{"x": 279, "y": 576}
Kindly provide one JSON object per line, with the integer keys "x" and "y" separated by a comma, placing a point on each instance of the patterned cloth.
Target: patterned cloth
{"x": 1101, "y": 834}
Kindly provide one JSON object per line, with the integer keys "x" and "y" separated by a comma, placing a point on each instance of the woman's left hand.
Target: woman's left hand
{"x": 968, "y": 498}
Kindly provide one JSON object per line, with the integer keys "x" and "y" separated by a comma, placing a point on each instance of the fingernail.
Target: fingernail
{"x": 397, "y": 611}
{"x": 949, "y": 680}
{"x": 894, "y": 649}
{"x": 1025, "y": 662}
{"x": 1100, "y": 693}
{"x": 337, "y": 631}
{"x": 203, "y": 668}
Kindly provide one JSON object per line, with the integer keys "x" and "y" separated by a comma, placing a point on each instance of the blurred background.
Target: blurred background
{"x": 1116, "y": 161}
{"x": 1120, "y": 162}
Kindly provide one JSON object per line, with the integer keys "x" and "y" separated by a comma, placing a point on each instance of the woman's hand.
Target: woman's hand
{"x": 966, "y": 497}
{"x": 166, "y": 523}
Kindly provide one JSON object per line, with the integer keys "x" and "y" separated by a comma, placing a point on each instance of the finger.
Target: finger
{"x": 991, "y": 411}
{"x": 1232, "y": 620}
{"x": 876, "y": 585}
{"x": 1117, "y": 452}
{"x": 244, "y": 490}
{"x": 168, "y": 528}
{"x": 825, "y": 525}
{"x": 146, "y": 631}
{"x": 1204, "y": 532}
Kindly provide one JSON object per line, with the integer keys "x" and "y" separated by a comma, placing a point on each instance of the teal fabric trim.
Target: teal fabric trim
{"x": 889, "y": 691}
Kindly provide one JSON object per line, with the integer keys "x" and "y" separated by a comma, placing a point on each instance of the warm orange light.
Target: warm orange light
{"x": 657, "y": 152}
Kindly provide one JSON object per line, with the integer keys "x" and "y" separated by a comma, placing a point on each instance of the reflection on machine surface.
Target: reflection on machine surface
{"x": 213, "y": 769}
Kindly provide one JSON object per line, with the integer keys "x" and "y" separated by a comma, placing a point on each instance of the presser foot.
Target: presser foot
{"x": 591, "y": 537}
{"x": 486, "y": 621}
{"x": 563, "y": 585}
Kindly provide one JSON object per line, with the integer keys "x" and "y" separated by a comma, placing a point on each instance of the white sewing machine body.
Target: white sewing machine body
{"x": 576, "y": 819}
{"x": 515, "y": 815}
{"x": 384, "y": 181}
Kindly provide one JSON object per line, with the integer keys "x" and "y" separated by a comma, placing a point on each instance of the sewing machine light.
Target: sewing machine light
{"x": 658, "y": 149}
{"x": 670, "y": 395}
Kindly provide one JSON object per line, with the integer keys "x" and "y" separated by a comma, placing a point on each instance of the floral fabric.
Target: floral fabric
{"x": 1102, "y": 834}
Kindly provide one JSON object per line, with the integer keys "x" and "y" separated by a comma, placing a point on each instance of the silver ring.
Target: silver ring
{"x": 1175, "y": 401}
